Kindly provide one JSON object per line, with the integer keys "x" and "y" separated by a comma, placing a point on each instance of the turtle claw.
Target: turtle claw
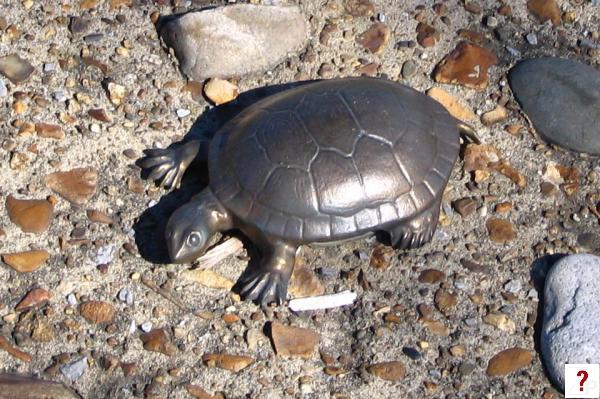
{"x": 166, "y": 166}
{"x": 263, "y": 286}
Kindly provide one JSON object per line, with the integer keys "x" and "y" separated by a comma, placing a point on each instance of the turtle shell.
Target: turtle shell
{"x": 334, "y": 159}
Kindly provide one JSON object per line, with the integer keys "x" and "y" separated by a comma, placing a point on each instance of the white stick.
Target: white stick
{"x": 222, "y": 251}
{"x": 323, "y": 301}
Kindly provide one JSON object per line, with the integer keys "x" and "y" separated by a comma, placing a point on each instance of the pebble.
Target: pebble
{"x": 235, "y": 40}
{"x": 225, "y": 361}
{"x": 146, "y": 326}
{"x": 409, "y": 69}
{"x": 49, "y": 67}
{"x": 208, "y": 278}
{"x": 15, "y": 68}
{"x": 508, "y": 361}
{"x": 116, "y": 93}
{"x": 545, "y": 10}
{"x": 376, "y": 38}
{"x": 97, "y": 216}
{"x": 26, "y": 262}
{"x": 569, "y": 334}
{"x": 465, "y": 206}
{"x": 412, "y": 353}
{"x": 427, "y": 35}
{"x": 125, "y": 295}
{"x": 293, "y": 341}
{"x": 220, "y": 91}
{"x": 500, "y": 230}
{"x": 34, "y": 298}
{"x": 182, "y": 113}
{"x": 531, "y": 38}
{"x": 513, "y": 286}
{"x": 76, "y": 186}
{"x": 304, "y": 282}
{"x": 74, "y": 370}
{"x": 49, "y": 131}
{"x": 390, "y": 371}
{"x": 158, "y": 340}
{"x": 501, "y": 321}
{"x": 468, "y": 65}
{"x": 498, "y": 114}
{"x": 104, "y": 255}
{"x": 100, "y": 114}
{"x": 3, "y": 89}
{"x": 557, "y": 86}
{"x": 72, "y": 299}
{"x": 97, "y": 312}
{"x": 59, "y": 96}
{"x": 6, "y": 346}
{"x": 432, "y": 276}
{"x": 359, "y": 8}
{"x": 454, "y": 106}
{"x": 32, "y": 216}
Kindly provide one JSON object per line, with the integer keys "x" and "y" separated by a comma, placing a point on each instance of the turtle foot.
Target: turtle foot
{"x": 263, "y": 286}
{"x": 167, "y": 166}
{"x": 416, "y": 232}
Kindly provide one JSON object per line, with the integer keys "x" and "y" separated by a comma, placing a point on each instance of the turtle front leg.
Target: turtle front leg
{"x": 269, "y": 281}
{"x": 167, "y": 165}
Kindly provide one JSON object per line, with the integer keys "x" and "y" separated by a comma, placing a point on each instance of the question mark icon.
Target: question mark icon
{"x": 584, "y": 376}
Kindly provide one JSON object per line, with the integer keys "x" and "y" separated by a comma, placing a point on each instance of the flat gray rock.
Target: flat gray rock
{"x": 571, "y": 321}
{"x": 562, "y": 98}
{"x": 23, "y": 387}
{"x": 235, "y": 40}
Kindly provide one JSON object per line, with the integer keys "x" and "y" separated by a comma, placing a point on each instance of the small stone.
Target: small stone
{"x": 412, "y": 353}
{"x": 498, "y": 114}
{"x": 79, "y": 25}
{"x": 43, "y": 331}
{"x": 380, "y": 257}
{"x": 100, "y": 114}
{"x": 409, "y": 69}
{"x": 14, "y": 352}
{"x": 146, "y": 326}
{"x": 104, "y": 255}
{"x": 220, "y": 91}
{"x": 46, "y": 130}
{"x": 76, "y": 186}
{"x": 157, "y": 340}
{"x": 531, "y": 38}
{"x": 97, "y": 312}
{"x": 32, "y": 216}
{"x": 116, "y": 4}
{"x": 390, "y": 371}
{"x": 465, "y": 206}
{"x": 569, "y": 327}
{"x": 116, "y": 93}
{"x": 436, "y": 327}
{"x": 34, "y": 298}
{"x": 198, "y": 393}
{"x": 458, "y": 350}
{"x": 466, "y": 65}
{"x": 26, "y": 262}
{"x": 99, "y": 217}
{"x": 74, "y": 370}
{"x": 293, "y": 341}
{"x": 3, "y": 89}
{"x": 235, "y": 40}
{"x": 509, "y": 360}
{"x": 545, "y": 10}
{"x": 15, "y": 68}
{"x": 376, "y": 38}
{"x": 427, "y": 35}
{"x": 227, "y": 362}
{"x": 182, "y": 113}
{"x": 304, "y": 282}
{"x": 500, "y": 231}
{"x": 473, "y": 7}
{"x": 445, "y": 301}
{"x": 503, "y": 207}
{"x": 432, "y": 276}
{"x": 452, "y": 104}
{"x": 208, "y": 278}
{"x": 359, "y": 8}
{"x": 500, "y": 321}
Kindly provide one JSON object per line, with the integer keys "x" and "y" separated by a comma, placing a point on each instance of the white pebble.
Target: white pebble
{"x": 323, "y": 301}
{"x": 146, "y": 326}
{"x": 72, "y": 299}
{"x": 531, "y": 38}
{"x": 182, "y": 112}
{"x": 59, "y": 96}
{"x": 3, "y": 89}
{"x": 49, "y": 67}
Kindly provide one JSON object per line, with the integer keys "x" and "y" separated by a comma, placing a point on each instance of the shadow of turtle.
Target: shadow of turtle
{"x": 150, "y": 225}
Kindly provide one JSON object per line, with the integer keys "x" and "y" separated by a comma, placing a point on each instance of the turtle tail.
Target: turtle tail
{"x": 468, "y": 133}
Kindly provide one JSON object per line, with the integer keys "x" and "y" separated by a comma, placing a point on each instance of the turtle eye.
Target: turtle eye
{"x": 194, "y": 239}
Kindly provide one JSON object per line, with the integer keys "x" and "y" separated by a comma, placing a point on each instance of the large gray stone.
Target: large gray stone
{"x": 23, "y": 387}
{"x": 562, "y": 99}
{"x": 571, "y": 318}
{"x": 235, "y": 40}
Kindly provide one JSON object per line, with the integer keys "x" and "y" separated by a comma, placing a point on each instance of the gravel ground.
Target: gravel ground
{"x": 395, "y": 301}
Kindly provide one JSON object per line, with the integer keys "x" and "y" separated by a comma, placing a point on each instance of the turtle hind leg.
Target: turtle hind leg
{"x": 269, "y": 281}
{"x": 415, "y": 232}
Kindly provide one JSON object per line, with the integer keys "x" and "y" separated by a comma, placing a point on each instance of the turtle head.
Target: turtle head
{"x": 190, "y": 227}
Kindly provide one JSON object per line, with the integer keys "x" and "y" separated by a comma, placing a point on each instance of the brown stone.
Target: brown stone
{"x": 432, "y": 276}
{"x": 304, "y": 282}
{"x": 503, "y": 207}
{"x": 43, "y": 331}
{"x": 195, "y": 89}
{"x": 97, "y": 312}
{"x": 500, "y": 230}
{"x": 14, "y": 352}
{"x": 545, "y": 10}
{"x": 115, "y": 4}
{"x": 293, "y": 341}
{"x": 380, "y": 258}
{"x": 359, "y": 8}
{"x": 494, "y": 116}
{"x": 485, "y": 158}
{"x": 224, "y": 361}
{"x": 32, "y": 216}
{"x": 88, "y": 4}
{"x": 100, "y": 114}
{"x": 427, "y": 35}
{"x": 471, "y": 35}
{"x": 34, "y": 298}
{"x": 473, "y": 7}
{"x": 157, "y": 340}
{"x": 436, "y": 327}
{"x": 15, "y": 68}
{"x": 514, "y": 129}
{"x": 220, "y": 91}
{"x": 375, "y": 38}
{"x": 452, "y": 104}
{"x": 199, "y": 393}
{"x": 49, "y": 131}
{"x": 99, "y": 216}
{"x": 505, "y": 10}
{"x": 445, "y": 301}
{"x": 369, "y": 69}
{"x": 390, "y": 371}
{"x": 466, "y": 65}
{"x": 76, "y": 186}
{"x": 465, "y": 206}
{"x": 509, "y": 360}
{"x": 28, "y": 261}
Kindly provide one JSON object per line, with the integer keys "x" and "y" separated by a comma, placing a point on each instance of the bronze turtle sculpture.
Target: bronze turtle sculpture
{"x": 325, "y": 162}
